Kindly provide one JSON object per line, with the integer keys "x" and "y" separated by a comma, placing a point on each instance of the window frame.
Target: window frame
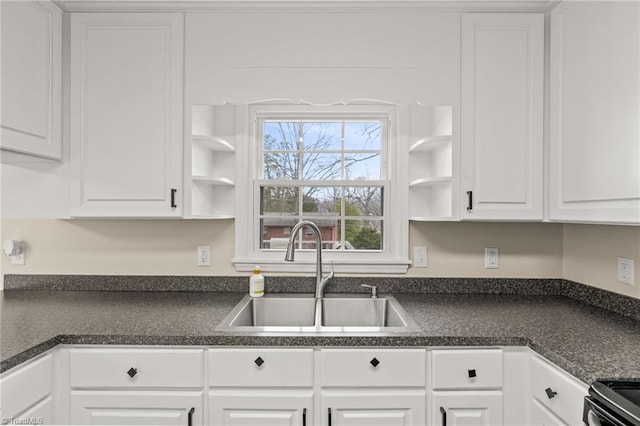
{"x": 393, "y": 258}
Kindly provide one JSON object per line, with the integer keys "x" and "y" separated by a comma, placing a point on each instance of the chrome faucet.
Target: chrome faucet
{"x": 321, "y": 281}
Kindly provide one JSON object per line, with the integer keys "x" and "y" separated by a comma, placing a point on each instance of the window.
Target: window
{"x": 334, "y": 166}
{"x": 330, "y": 172}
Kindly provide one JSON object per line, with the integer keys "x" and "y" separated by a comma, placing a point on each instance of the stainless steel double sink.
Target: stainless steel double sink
{"x": 333, "y": 314}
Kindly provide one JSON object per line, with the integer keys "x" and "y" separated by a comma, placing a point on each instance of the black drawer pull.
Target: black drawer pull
{"x": 374, "y": 362}
{"x": 444, "y": 416}
{"x": 259, "y": 361}
{"x": 329, "y": 421}
{"x": 173, "y": 198}
{"x": 304, "y": 417}
{"x": 550, "y": 393}
{"x": 470, "y": 201}
{"x": 472, "y": 373}
{"x": 132, "y": 372}
{"x": 190, "y": 417}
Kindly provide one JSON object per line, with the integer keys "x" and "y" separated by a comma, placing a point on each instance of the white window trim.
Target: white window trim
{"x": 393, "y": 259}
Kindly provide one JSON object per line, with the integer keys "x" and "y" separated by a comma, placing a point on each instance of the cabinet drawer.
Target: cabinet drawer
{"x": 467, "y": 369}
{"x": 26, "y": 385}
{"x": 373, "y": 367}
{"x": 136, "y": 368}
{"x": 540, "y": 416}
{"x": 261, "y": 367}
{"x": 558, "y": 391}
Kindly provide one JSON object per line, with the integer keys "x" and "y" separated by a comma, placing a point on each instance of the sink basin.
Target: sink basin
{"x": 360, "y": 312}
{"x": 276, "y": 312}
{"x": 302, "y": 313}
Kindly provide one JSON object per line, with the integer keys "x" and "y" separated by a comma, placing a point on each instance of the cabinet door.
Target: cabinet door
{"x": 381, "y": 408}
{"x": 136, "y": 408}
{"x": 126, "y": 114}
{"x": 265, "y": 408}
{"x": 502, "y": 116}
{"x": 481, "y": 408}
{"x": 594, "y": 108}
{"x": 31, "y": 78}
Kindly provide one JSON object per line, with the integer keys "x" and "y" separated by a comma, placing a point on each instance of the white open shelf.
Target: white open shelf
{"x": 213, "y": 143}
{"x": 431, "y": 163}
{"x": 213, "y": 162}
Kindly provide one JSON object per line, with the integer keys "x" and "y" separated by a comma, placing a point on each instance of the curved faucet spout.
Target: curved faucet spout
{"x": 321, "y": 281}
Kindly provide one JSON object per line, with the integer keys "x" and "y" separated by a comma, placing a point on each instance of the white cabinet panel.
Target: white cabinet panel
{"x": 392, "y": 407}
{"x": 540, "y": 416}
{"x": 26, "y": 385}
{"x": 31, "y": 78}
{"x": 467, "y": 369}
{"x": 139, "y": 368}
{"x": 558, "y": 391}
{"x": 126, "y": 114}
{"x": 481, "y": 408}
{"x": 595, "y": 112}
{"x": 261, "y": 367}
{"x": 265, "y": 407}
{"x": 501, "y": 116}
{"x": 136, "y": 408}
{"x": 373, "y": 367}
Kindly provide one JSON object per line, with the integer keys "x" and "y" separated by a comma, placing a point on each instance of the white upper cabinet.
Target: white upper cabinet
{"x": 31, "y": 78}
{"x": 126, "y": 114}
{"x": 502, "y": 116}
{"x": 595, "y": 112}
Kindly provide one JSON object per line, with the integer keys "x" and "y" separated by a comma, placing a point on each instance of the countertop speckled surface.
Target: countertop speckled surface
{"x": 587, "y": 341}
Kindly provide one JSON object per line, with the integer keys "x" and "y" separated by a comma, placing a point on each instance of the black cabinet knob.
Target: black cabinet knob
{"x": 472, "y": 373}
{"x": 374, "y": 362}
{"x": 259, "y": 361}
{"x": 550, "y": 393}
{"x": 132, "y": 372}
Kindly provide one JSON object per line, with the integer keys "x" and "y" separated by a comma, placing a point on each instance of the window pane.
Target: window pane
{"x": 322, "y": 136}
{"x": 321, "y": 200}
{"x": 364, "y": 201}
{"x": 362, "y": 136}
{"x": 321, "y": 166}
{"x": 278, "y": 200}
{"x": 361, "y": 235}
{"x": 275, "y": 231}
{"x": 362, "y": 166}
{"x": 281, "y": 166}
{"x": 281, "y": 135}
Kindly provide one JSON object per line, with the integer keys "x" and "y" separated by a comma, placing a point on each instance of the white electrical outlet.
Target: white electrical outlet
{"x": 204, "y": 255}
{"x": 491, "y": 257}
{"x": 420, "y": 259}
{"x": 18, "y": 259}
{"x": 625, "y": 270}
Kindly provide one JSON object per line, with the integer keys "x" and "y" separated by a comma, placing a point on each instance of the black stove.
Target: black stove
{"x": 612, "y": 403}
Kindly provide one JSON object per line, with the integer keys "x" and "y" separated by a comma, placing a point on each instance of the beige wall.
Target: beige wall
{"x": 456, "y": 249}
{"x": 590, "y": 255}
{"x": 582, "y": 253}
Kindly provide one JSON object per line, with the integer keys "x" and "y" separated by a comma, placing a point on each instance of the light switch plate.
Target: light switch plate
{"x": 420, "y": 259}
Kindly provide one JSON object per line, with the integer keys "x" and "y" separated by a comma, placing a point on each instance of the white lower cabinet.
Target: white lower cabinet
{"x": 562, "y": 394}
{"x": 273, "y": 386}
{"x": 467, "y": 408}
{"x": 136, "y": 386}
{"x": 389, "y": 407}
{"x": 264, "y": 407}
{"x": 26, "y": 392}
{"x": 541, "y": 416}
{"x": 261, "y": 386}
{"x": 174, "y": 408}
{"x": 373, "y": 386}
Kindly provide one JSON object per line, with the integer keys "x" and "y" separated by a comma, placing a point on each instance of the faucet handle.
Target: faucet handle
{"x": 374, "y": 290}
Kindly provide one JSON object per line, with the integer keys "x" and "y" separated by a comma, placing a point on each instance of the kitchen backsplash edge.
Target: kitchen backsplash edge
{"x": 624, "y": 305}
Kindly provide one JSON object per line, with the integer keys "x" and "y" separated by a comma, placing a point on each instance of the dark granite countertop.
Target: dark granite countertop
{"x": 587, "y": 341}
